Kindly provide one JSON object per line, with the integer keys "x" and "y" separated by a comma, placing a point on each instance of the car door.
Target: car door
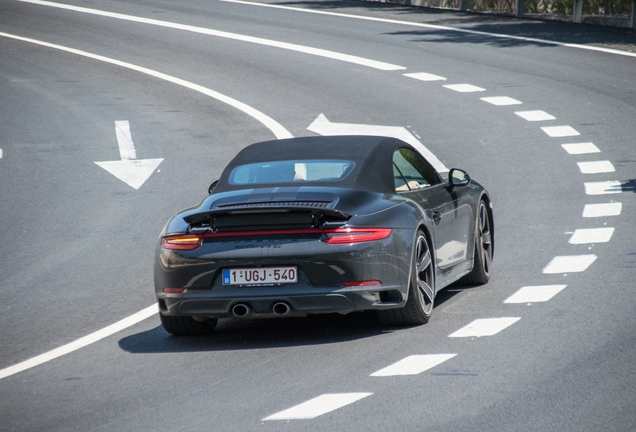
{"x": 447, "y": 206}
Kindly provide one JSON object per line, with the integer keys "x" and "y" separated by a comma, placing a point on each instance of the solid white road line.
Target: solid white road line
{"x": 560, "y": 131}
{"x": 580, "y": 148}
{"x": 318, "y": 406}
{"x": 602, "y": 210}
{"x": 439, "y": 27}
{"x": 0, "y": 153}
{"x": 596, "y": 167}
{"x": 423, "y": 76}
{"x": 501, "y": 100}
{"x": 464, "y": 88}
{"x": 535, "y": 116}
{"x": 484, "y": 327}
{"x": 535, "y": 294}
{"x": 603, "y": 188}
{"x": 413, "y": 365}
{"x": 569, "y": 264}
{"x": 80, "y": 343}
{"x": 276, "y": 128}
{"x": 238, "y": 37}
{"x": 591, "y": 236}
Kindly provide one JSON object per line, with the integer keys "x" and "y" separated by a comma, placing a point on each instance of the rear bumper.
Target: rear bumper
{"x": 324, "y": 271}
{"x": 301, "y": 299}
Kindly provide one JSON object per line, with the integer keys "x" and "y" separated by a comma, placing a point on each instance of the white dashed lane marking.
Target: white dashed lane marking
{"x": 534, "y": 116}
{"x": 534, "y": 294}
{"x": 484, "y": 327}
{"x": 501, "y": 100}
{"x": 580, "y": 148}
{"x": 413, "y": 365}
{"x": 591, "y": 236}
{"x": 464, "y": 88}
{"x": 318, "y": 406}
{"x": 602, "y": 210}
{"x": 423, "y": 76}
{"x": 560, "y": 131}
{"x": 596, "y": 167}
{"x": 569, "y": 264}
{"x": 603, "y": 188}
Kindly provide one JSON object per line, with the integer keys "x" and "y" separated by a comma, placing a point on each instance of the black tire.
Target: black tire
{"x": 421, "y": 296}
{"x": 186, "y": 326}
{"x": 483, "y": 248}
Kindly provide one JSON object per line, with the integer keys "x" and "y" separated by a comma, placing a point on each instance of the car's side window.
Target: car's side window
{"x": 411, "y": 171}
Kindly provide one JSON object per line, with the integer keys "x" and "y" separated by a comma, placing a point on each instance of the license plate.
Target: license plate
{"x": 260, "y": 276}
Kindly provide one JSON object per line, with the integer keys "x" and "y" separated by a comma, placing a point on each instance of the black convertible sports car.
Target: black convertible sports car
{"x": 323, "y": 224}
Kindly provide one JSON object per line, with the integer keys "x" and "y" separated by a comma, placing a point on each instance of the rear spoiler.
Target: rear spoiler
{"x": 271, "y": 215}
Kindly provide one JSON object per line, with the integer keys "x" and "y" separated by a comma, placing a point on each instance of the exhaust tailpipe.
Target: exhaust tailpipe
{"x": 281, "y": 308}
{"x": 240, "y": 310}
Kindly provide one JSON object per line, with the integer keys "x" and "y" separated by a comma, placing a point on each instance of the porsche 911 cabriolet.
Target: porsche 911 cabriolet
{"x": 323, "y": 225}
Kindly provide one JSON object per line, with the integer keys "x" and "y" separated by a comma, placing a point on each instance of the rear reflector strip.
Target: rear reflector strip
{"x": 362, "y": 283}
{"x": 174, "y": 290}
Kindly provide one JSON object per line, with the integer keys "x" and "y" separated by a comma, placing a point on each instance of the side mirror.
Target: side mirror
{"x": 457, "y": 177}
{"x": 212, "y": 186}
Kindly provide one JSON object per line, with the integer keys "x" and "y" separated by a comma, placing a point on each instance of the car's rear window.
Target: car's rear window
{"x": 291, "y": 171}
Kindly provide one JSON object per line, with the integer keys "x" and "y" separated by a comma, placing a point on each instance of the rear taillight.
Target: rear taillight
{"x": 331, "y": 236}
{"x": 182, "y": 242}
{"x": 355, "y": 235}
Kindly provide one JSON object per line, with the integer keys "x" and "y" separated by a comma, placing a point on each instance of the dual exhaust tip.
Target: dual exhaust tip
{"x": 241, "y": 310}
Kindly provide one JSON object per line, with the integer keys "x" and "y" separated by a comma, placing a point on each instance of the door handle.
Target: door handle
{"x": 436, "y": 215}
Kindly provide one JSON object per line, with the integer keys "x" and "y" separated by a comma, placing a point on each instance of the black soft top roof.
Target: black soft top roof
{"x": 372, "y": 155}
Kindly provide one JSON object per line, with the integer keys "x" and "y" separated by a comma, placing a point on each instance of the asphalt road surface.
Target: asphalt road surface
{"x": 116, "y": 115}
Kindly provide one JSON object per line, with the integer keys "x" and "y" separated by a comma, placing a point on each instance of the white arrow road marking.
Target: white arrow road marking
{"x": 324, "y": 127}
{"x": 124, "y": 140}
{"x": 132, "y": 171}
{"x": 413, "y": 365}
{"x": 318, "y": 406}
